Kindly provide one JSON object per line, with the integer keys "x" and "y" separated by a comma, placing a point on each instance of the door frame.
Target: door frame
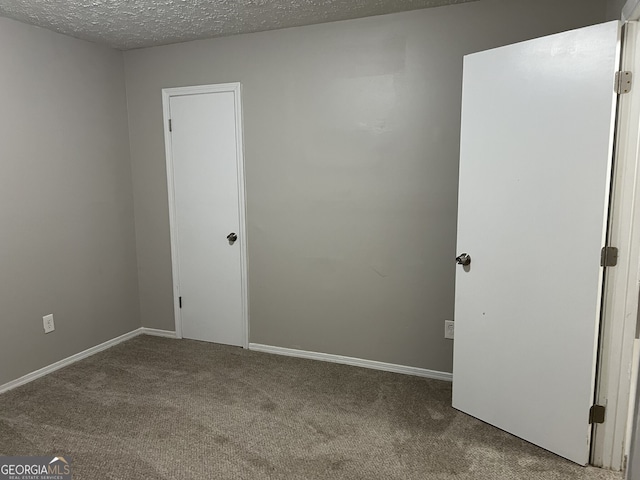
{"x": 615, "y": 388}
{"x": 631, "y": 10}
{"x": 167, "y": 93}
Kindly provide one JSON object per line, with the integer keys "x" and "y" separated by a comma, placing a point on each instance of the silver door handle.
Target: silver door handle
{"x": 232, "y": 237}
{"x": 464, "y": 259}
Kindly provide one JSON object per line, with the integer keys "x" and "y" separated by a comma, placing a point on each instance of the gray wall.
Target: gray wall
{"x": 351, "y": 143}
{"x": 66, "y": 208}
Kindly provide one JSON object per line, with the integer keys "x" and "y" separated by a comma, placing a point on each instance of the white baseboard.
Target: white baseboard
{"x": 325, "y": 357}
{"x": 155, "y": 332}
{"x": 356, "y": 362}
{"x": 29, "y": 377}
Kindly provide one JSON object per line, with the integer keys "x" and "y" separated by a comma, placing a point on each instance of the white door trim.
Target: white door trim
{"x": 631, "y": 10}
{"x": 167, "y": 93}
{"x": 617, "y": 369}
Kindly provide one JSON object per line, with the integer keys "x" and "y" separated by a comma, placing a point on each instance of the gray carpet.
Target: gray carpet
{"x": 155, "y": 408}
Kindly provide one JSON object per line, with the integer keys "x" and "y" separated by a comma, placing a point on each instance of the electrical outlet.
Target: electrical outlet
{"x": 448, "y": 329}
{"x": 47, "y": 322}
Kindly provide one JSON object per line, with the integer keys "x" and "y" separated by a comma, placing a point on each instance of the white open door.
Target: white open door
{"x": 535, "y": 169}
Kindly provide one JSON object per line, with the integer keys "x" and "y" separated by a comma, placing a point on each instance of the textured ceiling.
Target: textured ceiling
{"x": 127, "y": 24}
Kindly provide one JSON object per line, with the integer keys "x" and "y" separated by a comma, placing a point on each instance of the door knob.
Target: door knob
{"x": 232, "y": 237}
{"x": 464, "y": 259}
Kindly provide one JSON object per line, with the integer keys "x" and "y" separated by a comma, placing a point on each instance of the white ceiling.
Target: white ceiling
{"x": 126, "y": 24}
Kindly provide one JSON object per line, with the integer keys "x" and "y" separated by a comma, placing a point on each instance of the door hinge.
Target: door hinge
{"x": 170, "y": 126}
{"x": 623, "y": 82}
{"x": 180, "y": 302}
{"x": 596, "y": 414}
{"x": 608, "y": 257}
